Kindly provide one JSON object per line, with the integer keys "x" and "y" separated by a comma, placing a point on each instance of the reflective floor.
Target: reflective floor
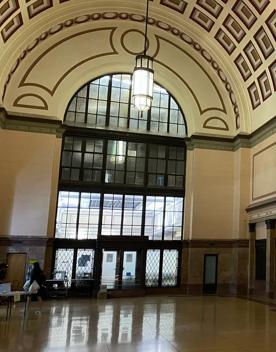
{"x": 165, "y": 324}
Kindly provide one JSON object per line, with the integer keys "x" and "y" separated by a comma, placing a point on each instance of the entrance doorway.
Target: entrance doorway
{"x": 260, "y": 260}
{"x": 119, "y": 269}
{"x": 210, "y": 273}
{"x": 16, "y": 270}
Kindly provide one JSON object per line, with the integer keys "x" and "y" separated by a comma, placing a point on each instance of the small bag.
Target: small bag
{"x": 34, "y": 287}
{"x": 26, "y": 286}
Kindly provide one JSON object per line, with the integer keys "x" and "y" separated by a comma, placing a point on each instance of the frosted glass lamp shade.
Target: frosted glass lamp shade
{"x": 142, "y": 82}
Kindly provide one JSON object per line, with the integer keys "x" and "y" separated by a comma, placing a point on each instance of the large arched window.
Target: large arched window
{"x": 106, "y": 102}
{"x": 122, "y": 180}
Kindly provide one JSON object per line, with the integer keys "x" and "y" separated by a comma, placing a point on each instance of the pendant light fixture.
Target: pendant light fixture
{"x": 142, "y": 78}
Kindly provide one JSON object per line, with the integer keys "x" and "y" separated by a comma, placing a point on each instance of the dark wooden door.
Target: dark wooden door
{"x": 210, "y": 273}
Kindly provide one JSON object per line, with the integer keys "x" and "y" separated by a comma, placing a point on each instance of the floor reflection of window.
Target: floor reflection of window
{"x": 105, "y": 322}
{"x": 167, "y": 320}
{"x": 79, "y": 331}
{"x": 149, "y": 329}
{"x": 125, "y": 328}
{"x": 58, "y": 327}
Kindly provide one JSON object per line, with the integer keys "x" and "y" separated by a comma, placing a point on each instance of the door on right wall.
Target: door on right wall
{"x": 210, "y": 274}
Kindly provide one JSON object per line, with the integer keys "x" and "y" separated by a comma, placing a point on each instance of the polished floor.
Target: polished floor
{"x": 151, "y": 324}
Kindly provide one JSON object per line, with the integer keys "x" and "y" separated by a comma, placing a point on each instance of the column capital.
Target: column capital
{"x": 270, "y": 224}
{"x": 252, "y": 227}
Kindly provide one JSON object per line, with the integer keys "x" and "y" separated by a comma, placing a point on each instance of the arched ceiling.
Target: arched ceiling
{"x": 217, "y": 57}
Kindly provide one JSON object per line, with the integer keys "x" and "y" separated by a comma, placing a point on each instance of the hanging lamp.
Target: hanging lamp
{"x": 142, "y": 78}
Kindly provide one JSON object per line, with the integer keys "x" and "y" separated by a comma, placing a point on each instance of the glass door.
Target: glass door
{"x": 109, "y": 269}
{"x": 129, "y": 269}
{"x": 119, "y": 269}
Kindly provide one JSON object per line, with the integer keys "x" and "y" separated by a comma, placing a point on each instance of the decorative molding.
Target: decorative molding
{"x": 264, "y": 85}
{"x": 253, "y": 173}
{"x": 225, "y": 41}
{"x": 244, "y": 13}
{"x": 243, "y": 67}
{"x": 254, "y": 95}
{"x": 234, "y": 28}
{"x": 215, "y": 243}
{"x": 203, "y": 20}
{"x": 6, "y": 241}
{"x": 264, "y": 42}
{"x": 223, "y": 124}
{"x": 210, "y": 6}
{"x": 178, "y": 6}
{"x": 137, "y": 18}
{"x": 17, "y": 102}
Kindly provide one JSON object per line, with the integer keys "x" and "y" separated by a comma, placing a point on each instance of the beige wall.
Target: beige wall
{"x": 217, "y": 193}
{"x": 211, "y": 194}
{"x": 263, "y": 170}
{"x": 26, "y": 185}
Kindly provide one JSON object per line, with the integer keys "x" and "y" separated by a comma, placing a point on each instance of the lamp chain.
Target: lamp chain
{"x": 146, "y": 28}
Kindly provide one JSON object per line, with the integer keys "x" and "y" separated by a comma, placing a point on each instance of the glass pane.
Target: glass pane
{"x": 112, "y": 214}
{"x": 133, "y": 207}
{"x": 154, "y": 217}
{"x": 152, "y": 268}
{"x": 89, "y": 216}
{"x": 169, "y": 267}
{"x": 85, "y": 264}
{"x": 64, "y": 265}
{"x": 173, "y": 218}
{"x": 66, "y": 220}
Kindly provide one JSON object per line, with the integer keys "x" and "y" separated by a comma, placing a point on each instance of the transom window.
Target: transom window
{"x": 125, "y": 162}
{"x": 106, "y": 102}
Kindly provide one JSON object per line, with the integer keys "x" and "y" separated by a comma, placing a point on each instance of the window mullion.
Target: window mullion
{"x": 122, "y": 215}
{"x": 86, "y": 103}
{"x": 169, "y": 114}
{"x": 78, "y": 217}
{"x": 107, "y": 118}
{"x": 100, "y": 223}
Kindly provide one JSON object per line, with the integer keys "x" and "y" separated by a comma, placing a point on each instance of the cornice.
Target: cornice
{"x": 234, "y": 143}
{"x": 30, "y": 124}
{"x": 201, "y": 141}
{"x": 262, "y": 211}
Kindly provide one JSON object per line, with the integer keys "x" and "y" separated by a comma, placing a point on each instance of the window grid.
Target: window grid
{"x": 169, "y": 267}
{"x": 71, "y": 161}
{"x": 115, "y": 162}
{"x": 136, "y": 156}
{"x": 107, "y": 101}
{"x": 176, "y": 167}
{"x": 122, "y": 162}
{"x": 89, "y": 216}
{"x": 83, "y": 215}
{"x": 154, "y": 217}
{"x": 132, "y": 218}
{"x": 157, "y": 165}
{"x": 67, "y": 215}
{"x": 173, "y": 218}
{"x": 112, "y": 214}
